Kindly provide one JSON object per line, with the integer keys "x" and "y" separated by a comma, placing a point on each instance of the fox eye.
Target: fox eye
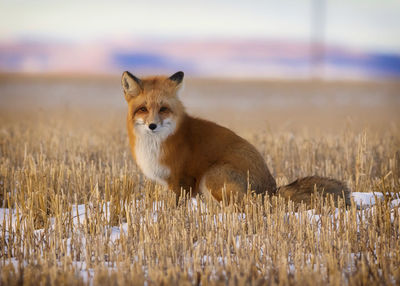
{"x": 163, "y": 109}
{"x": 143, "y": 109}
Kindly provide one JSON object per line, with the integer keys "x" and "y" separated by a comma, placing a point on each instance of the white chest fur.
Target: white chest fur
{"x": 148, "y": 156}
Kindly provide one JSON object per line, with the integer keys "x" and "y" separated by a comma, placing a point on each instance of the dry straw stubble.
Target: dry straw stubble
{"x": 76, "y": 210}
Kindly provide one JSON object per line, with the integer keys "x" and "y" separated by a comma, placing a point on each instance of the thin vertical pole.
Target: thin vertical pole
{"x": 317, "y": 45}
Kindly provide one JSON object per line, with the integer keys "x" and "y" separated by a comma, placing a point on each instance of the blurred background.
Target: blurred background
{"x": 340, "y": 39}
{"x": 253, "y": 64}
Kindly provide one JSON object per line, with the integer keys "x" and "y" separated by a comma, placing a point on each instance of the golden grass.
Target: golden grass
{"x": 128, "y": 231}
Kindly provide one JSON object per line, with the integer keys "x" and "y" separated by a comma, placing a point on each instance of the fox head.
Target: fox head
{"x": 154, "y": 108}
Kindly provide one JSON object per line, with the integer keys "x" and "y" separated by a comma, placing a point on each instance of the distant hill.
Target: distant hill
{"x": 222, "y": 58}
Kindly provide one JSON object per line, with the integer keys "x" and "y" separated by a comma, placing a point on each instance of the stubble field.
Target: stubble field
{"x": 75, "y": 209}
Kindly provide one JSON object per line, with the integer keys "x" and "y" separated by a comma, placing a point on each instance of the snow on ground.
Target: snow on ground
{"x": 362, "y": 200}
{"x": 395, "y": 203}
{"x": 369, "y": 199}
{"x": 366, "y": 199}
{"x": 79, "y": 211}
{"x": 6, "y": 215}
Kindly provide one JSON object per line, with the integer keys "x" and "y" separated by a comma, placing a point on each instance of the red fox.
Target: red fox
{"x": 187, "y": 153}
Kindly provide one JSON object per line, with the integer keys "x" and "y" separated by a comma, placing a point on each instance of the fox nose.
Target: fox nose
{"x": 152, "y": 126}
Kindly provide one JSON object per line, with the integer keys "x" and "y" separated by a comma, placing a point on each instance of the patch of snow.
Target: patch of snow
{"x": 114, "y": 233}
{"x": 369, "y": 199}
{"x": 366, "y": 199}
{"x": 395, "y": 203}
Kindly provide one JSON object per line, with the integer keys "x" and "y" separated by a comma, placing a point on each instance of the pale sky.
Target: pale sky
{"x": 364, "y": 24}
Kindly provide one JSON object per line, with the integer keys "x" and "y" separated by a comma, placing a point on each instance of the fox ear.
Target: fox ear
{"x": 131, "y": 84}
{"x": 177, "y": 78}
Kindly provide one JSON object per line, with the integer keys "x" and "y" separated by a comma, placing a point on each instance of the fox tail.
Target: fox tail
{"x": 302, "y": 189}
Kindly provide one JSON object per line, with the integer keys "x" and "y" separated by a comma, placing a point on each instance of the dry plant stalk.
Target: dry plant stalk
{"x": 79, "y": 212}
